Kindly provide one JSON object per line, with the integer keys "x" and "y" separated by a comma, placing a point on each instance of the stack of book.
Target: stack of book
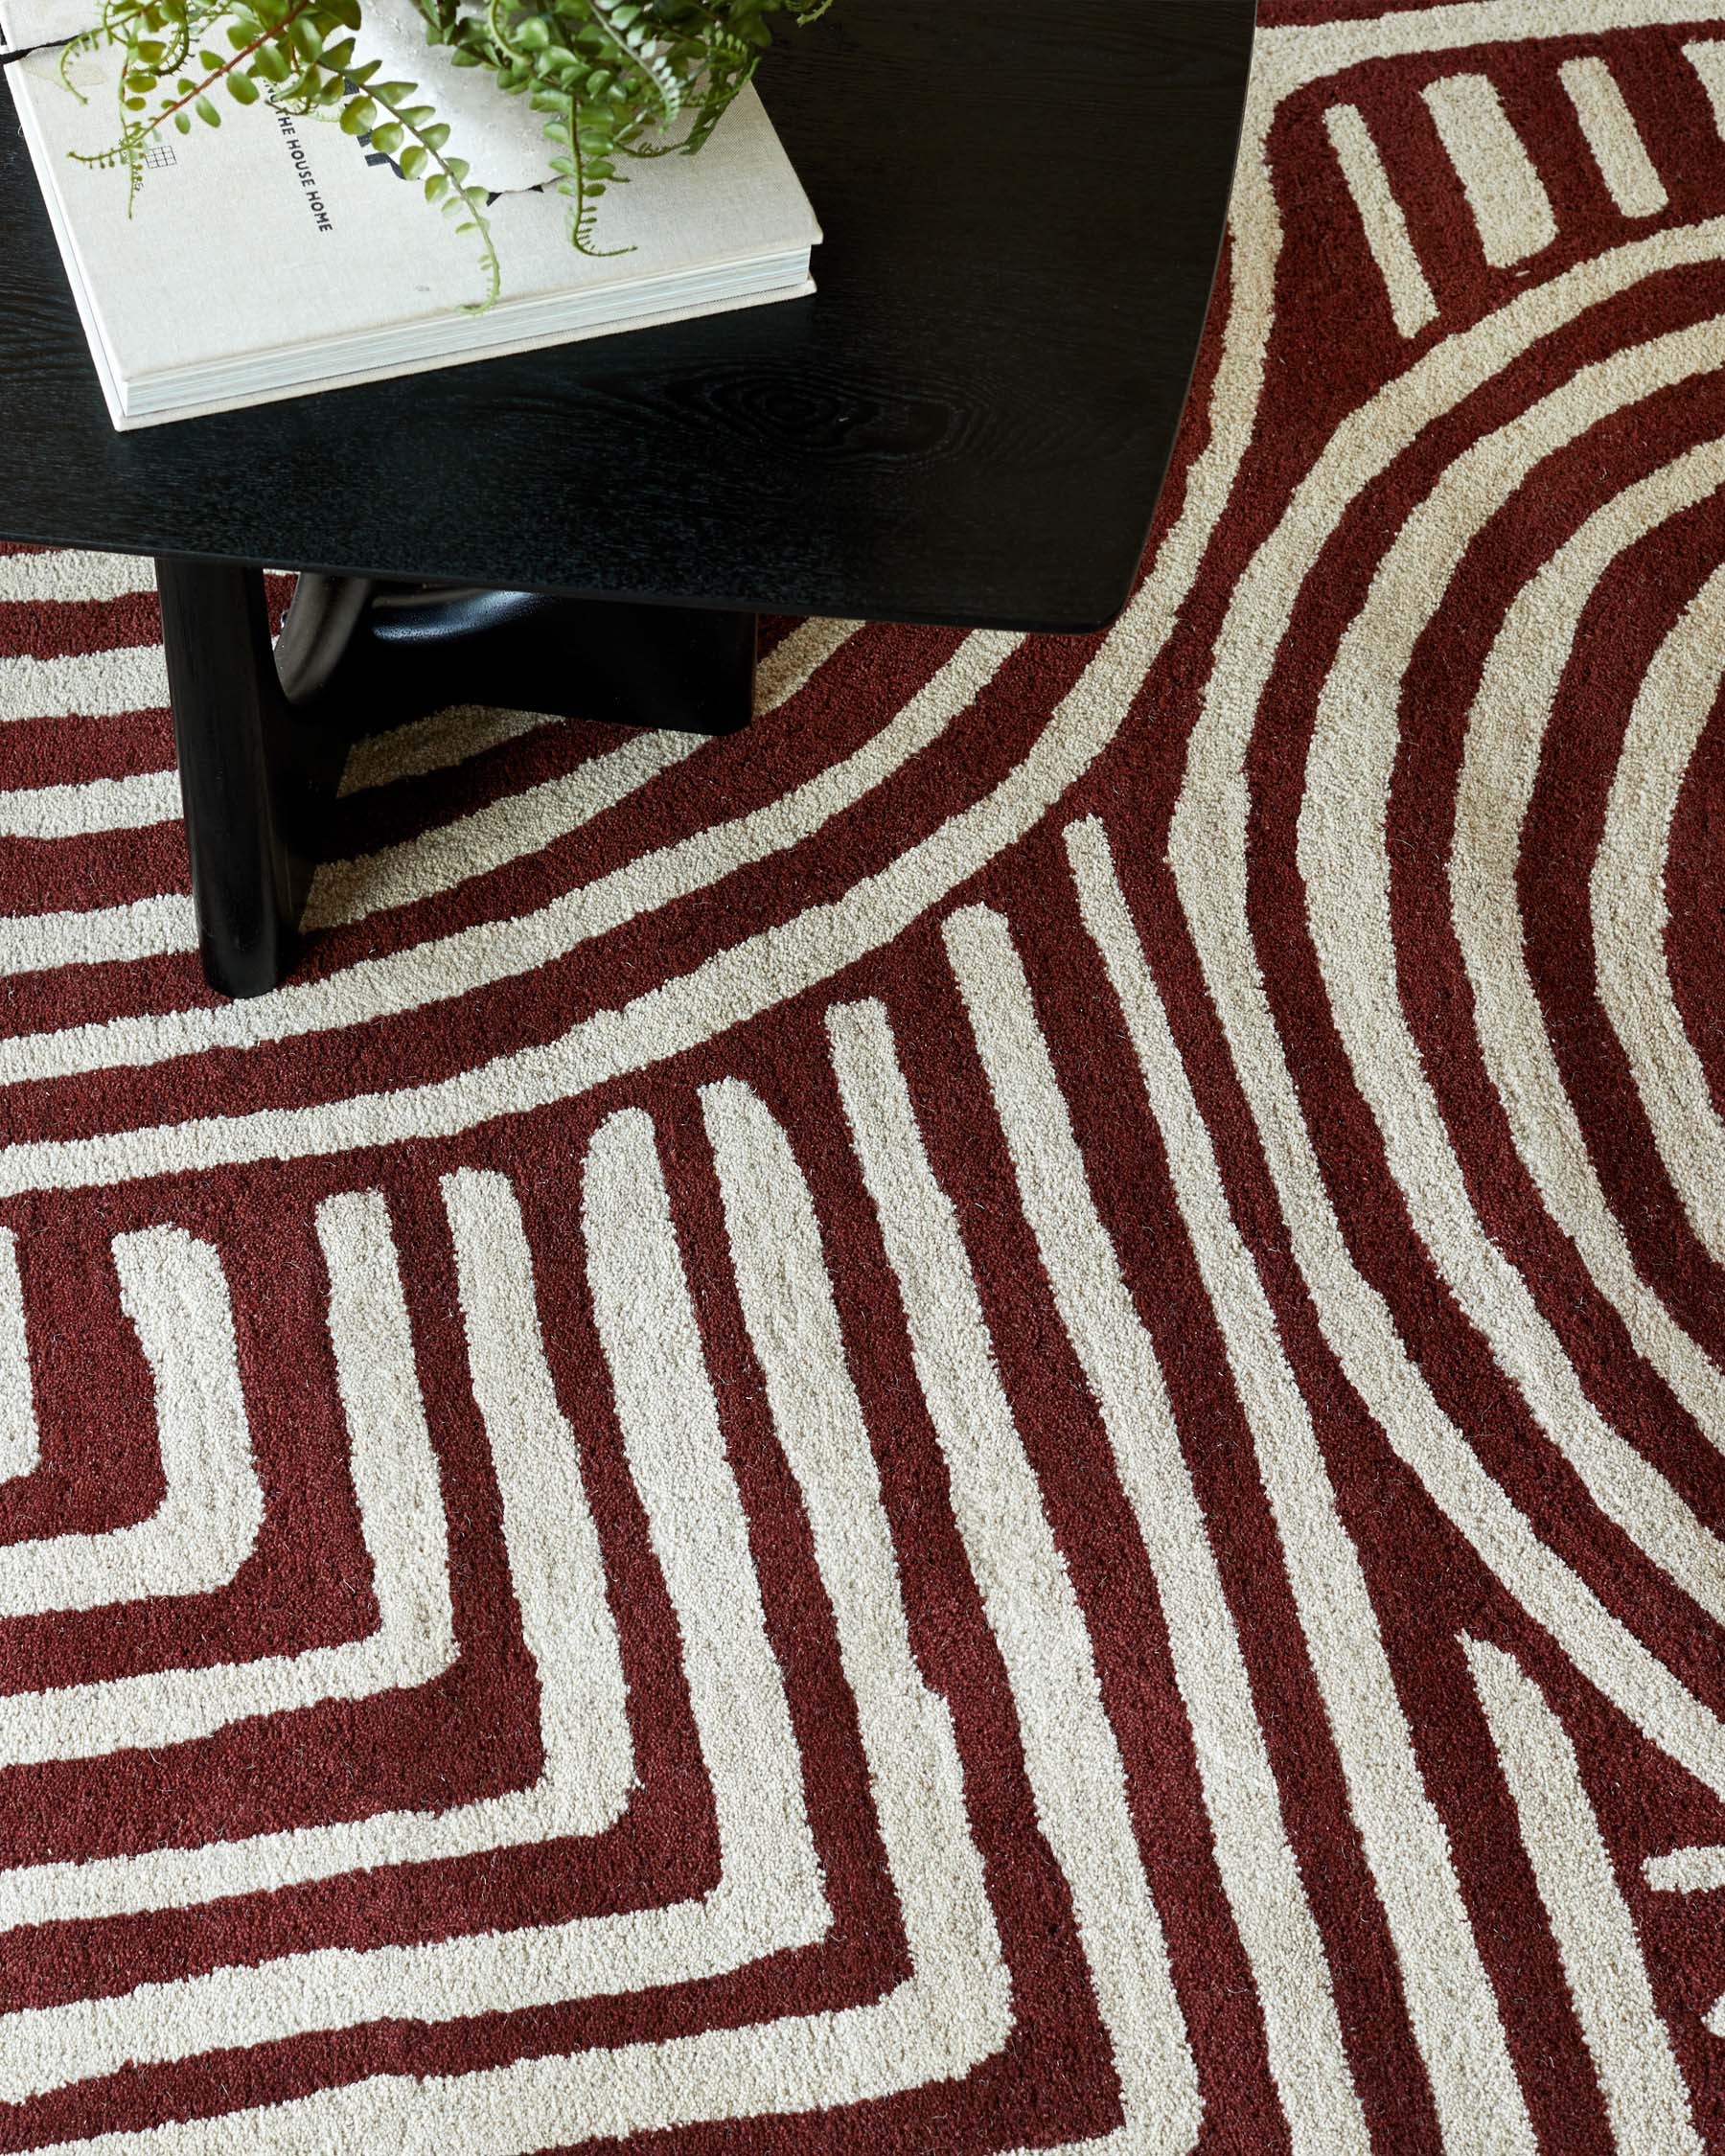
{"x": 275, "y": 255}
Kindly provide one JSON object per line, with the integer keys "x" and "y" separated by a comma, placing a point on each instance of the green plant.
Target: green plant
{"x": 611, "y": 80}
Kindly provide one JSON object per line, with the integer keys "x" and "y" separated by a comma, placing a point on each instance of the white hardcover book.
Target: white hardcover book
{"x": 272, "y": 256}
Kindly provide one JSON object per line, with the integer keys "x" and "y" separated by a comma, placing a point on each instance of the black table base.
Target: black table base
{"x": 262, "y": 734}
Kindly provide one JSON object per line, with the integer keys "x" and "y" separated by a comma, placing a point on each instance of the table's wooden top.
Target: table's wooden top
{"x": 967, "y": 423}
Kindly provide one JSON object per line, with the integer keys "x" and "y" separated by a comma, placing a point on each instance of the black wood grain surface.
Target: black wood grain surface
{"x": 968, "y": 422}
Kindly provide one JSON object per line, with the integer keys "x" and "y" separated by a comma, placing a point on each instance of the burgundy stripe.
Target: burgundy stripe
{"x": 1695, "y": 894}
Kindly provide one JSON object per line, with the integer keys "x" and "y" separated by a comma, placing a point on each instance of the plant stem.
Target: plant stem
{"x": 268, "y": 38}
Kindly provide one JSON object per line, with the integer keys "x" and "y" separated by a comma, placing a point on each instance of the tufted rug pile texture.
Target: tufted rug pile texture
{"x": 987, "y": 1421}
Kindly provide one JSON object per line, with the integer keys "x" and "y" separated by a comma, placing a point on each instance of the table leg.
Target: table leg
{"x": 246, "y": 784}
{"x": 262, "y": 734}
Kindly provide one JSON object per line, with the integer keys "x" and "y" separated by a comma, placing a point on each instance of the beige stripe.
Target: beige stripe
{"x": 1706, "y": 56}
{"x": 1449, "y": 1994}
{"x": 1509, "y": 201}
{"x": 487, "y": 838}
{"x": 1411, "y": 305}
{"x": 557, "y": 1568}
{"x": 1630, "y": 912}
{"x": 20, "y": 1438}
{"x": 1259, "y": 1872}
{"x": 1686, "y": 1871}
{"x": 787, "y": 1297}
{"x": 1624, "y": 2030}
{"x": 436, "y": 743}
{"x": 956, "y": 2010}
{"x": 793, "y": 663}
{"x": 1345, "y": 870}
{"x": 769, "y": 1895}
{"x": 174, "y": 1291}
{"x": 557, "y": 1579}
{"x": 1506, "y": 728}
{"x": 1207, "y": 849}
{"x": 68, "y": 574}
{"x": 1629, "y": 173}
{"x": 494, "y": 951}
{"x": 1071, "y": 1754}
{"x": 97, "y": 684}
{"x": 145, "y": 928}
{"x": 92, "y": 805}
{"x": 176, "y": 1296}
{"x": 1287, "y": 57}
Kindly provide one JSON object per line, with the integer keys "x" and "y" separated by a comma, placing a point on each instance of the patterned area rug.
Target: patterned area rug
{"x": 990, "y": 1420}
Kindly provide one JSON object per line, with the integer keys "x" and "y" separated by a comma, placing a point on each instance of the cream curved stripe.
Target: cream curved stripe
{"x": 485, "y": 953}
{"x": 463, "y": 731}
{"x": 485, "y": 838}
{"x": 1071, "y": 1755}
{"x": 67, "y": 574}
{"x": 1449, "y": 1996}
{"x": 1505, "y": 729}
{"x": 955, "y": 2008}
{"x": 527, "y": 822}
{"x": 1260, "y": 1875}
{"x": 556, "y": 1574}
{"x": 176, "y": 1296}
{"x": 1604, "y": 1964}
{"x": 147, "y": 928}
{"x": 1630, "y": 915}
{"x": 436, "y": 742}
{"x": 1208, "y": 850}
{"x": 1345, "y": 865}
{"x": 20, "y": 1437}
{"x": 91, "y": 804}
{"x": 1706, "y": 56}
{"x": 176, "y": 1293}
{"x": 155, "y": 926}
{"x": 97, "y": 684}
{"x": 503, "y": 831}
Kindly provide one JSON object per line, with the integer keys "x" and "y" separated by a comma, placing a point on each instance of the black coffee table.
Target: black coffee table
{"x": 967, "y": 423}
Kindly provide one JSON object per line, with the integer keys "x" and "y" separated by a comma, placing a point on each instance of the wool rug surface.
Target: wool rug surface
{"x": 987, "y": 1421}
